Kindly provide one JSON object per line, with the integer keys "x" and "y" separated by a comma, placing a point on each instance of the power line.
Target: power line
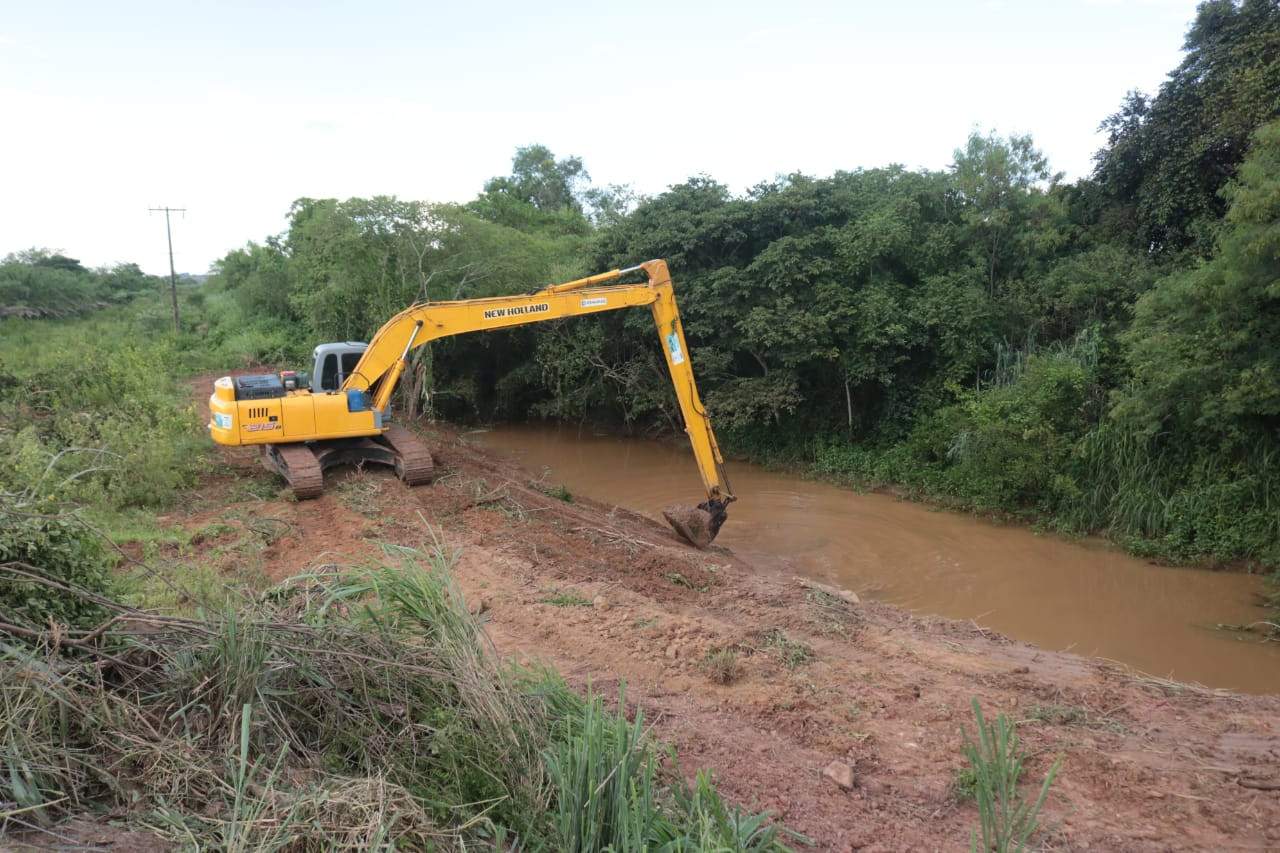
{"x": 173, "y": 278}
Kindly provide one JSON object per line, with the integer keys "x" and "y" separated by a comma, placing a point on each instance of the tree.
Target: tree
{"x": 258, "y": 276}
{"x": 356, "y": 263}
{"x": 1168, "y": 157}
{"x": 541, "y": 194}
{"x": 1205, "y": 344}
{"x": 1001, "y": 185}
{"x": 47, "y": 258}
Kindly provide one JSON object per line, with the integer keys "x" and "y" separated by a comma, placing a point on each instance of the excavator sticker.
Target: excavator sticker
{"x": 594, "y": 302}
{"x": 673, "y": 344}
{"x": 223, "y": 421}
{"x": 516, "y": 310}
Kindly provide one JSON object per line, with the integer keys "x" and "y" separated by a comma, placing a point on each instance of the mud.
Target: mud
{"x": 693, "y": 524}
{"x": 841, "y": 716}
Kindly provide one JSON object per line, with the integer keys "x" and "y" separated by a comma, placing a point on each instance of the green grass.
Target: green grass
{"x": 680, "y": 579}
{"x": 1007, "y": 820}
{"x": 560, "y": 492}
{"x": 567, "y": 598}
{"x": 790, "y": 653}
{"x": 722, "y": 666}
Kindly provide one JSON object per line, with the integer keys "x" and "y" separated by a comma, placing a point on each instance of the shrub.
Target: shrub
{"x": 40, "y": 558}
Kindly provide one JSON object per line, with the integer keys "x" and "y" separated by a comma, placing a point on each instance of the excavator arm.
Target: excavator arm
{"x": 384, "y": 361}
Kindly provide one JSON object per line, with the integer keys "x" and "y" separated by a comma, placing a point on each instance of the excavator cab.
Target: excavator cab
{"x": 333, "y": 363}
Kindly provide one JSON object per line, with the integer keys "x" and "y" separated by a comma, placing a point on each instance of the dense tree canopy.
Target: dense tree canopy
{"x": 1168, "y": 156}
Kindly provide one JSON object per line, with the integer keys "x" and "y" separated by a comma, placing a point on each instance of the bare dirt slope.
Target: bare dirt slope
{"x": 608, "y": 596}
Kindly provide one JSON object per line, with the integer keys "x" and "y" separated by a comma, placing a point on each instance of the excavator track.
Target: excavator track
{"x": 413, "y": 461}
{"x": 304, "y": 464}
{"x": 297, "y": 464}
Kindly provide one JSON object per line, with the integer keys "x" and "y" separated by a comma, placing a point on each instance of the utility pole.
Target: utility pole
{"x": 173, "y": 277}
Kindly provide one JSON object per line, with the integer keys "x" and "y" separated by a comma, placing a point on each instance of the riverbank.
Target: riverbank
{"x": 767, "y": 682}
{"x": 1055, "y": 593}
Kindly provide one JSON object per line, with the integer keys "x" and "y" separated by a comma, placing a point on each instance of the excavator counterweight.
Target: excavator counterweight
{"x": 343, "y": 413}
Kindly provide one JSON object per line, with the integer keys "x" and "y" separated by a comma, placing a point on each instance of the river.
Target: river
{"x": 1081, "y": 596}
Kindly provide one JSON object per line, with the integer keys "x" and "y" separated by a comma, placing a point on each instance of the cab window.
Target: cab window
{"x": 329, "y": 380}
{"x": 349, "y": 362}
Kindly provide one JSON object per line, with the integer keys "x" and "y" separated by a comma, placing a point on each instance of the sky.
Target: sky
{"x": 231, "y": 110}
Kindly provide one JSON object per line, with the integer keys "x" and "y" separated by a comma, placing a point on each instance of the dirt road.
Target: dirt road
{"x": 768, "y": 682}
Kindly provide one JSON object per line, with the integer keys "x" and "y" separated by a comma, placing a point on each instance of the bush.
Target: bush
{"x": 40, "y": 557}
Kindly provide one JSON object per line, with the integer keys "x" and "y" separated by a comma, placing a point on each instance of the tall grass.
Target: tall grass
{"x": 355, "y": 710}
{"x": 612, "y": 795}
{"x": 605, "y": 783}
{"x": 1180, "y": 503}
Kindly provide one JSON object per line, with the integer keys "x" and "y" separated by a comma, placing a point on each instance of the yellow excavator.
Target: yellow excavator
{"x": 341, "y": 412}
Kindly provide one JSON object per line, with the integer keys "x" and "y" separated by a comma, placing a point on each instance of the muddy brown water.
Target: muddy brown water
{"x": 1080, "y": 596}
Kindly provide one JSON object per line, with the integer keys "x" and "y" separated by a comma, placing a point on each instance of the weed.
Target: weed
{"x": 964, "y": 784}
{"x": 679, "y": 579}
{"x": 42, "y": 560}
{"x": 560, "y": 492}
{"x": 212, "y": 530}
{"x": 268, "y": 529}
{"x": 791, "y": 653}
{"x": 604, "y": 783}
{"x": 571, "y": 598}
{"x": 1072, "y": 715}
{"x": 259, "y": 487}
{"x": 823, "y": 599}
{"x": 1008, "y": 822}
{"x": 1060, "y": 715}
{"x": 831, "y": 614}
{"x": 1268, "y": 631}
{"x": 608, "y": 794}
{"x": 722, "y": 666}
{"x": 359, "y": 493}
{"x": 711, "y": 825}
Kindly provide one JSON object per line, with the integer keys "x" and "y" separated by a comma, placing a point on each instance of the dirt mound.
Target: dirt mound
{"x": 843, "y": 717}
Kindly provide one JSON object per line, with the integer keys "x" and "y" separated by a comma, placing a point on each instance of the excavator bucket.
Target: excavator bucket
{"x": 693, "y": 524}
{"x": 698, "y": 525}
